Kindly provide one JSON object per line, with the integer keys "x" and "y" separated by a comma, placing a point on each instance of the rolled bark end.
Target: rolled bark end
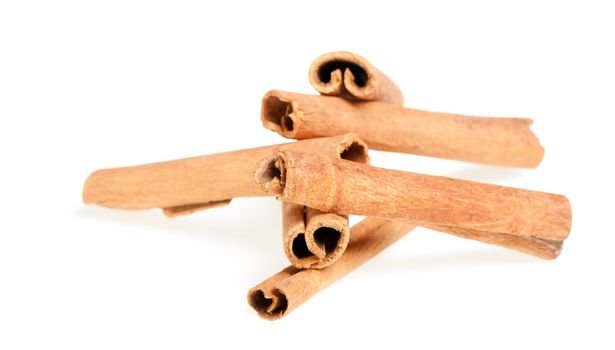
{"x": 300, "y": 255}
{"x": 280, "y": 114}
{"x": 270, "y": 305}
{"x": 301, "y": 178}
{"x": 270, "y": 174}
{"x": 351, "y": 76}
{"x": 327, "y": 236}
{"x": 344, "y": 74}
{"x": 354, "y": 149}
{"x": 321, "y": 245}
{"x": 313, "y": 239}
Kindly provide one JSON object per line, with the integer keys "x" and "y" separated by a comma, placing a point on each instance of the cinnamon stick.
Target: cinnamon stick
{"x": 191, "y": 184}
{"x": 488, "y": 213}
{"x": 388, "y": 127}
{"x": 346, "y": 74}
{"x": 283, "y": 292}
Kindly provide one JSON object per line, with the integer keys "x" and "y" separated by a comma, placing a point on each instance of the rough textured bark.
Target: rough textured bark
{"x": 283, "y": 292}
{"x": 387, "y": 127}
{"x": 315, "y": 239}
{"x": 478, "y": 211}
{"x": 186, "y": 185}
{"x": 346, "y": 74}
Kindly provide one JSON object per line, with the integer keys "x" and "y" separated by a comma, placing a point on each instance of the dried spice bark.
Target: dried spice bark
{"x": 388, "y": 127}
{"x": 187, "y": 185}
{"x": 348, "y": 75}
{"x": 488, "y": 213}
{"x": 280, "y": 294}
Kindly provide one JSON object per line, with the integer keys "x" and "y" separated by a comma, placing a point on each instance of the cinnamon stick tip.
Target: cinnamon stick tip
{"x": 269, "y": 305}
{"x": 336, "y": 72}
{"x": 279, "y": 113}
{"x": 270, "y": 173}
{"x": 535, "y": 157}
{"x": 318, "y": 247}
{"x": 354, "y": 149}
{"x": 558, "y": 246}
{"x": 328, "y": 242}
{"x": 91, "y": 187}
{"x": 567, "y": 213}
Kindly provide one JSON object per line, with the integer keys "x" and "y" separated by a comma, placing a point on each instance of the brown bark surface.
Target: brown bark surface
{"x": 484, "y": 212}
{"x": 348, "y": 75}
{"x": 187, "y": 185}
{"x": 283, "y": 292}
{"x": 315, "y": 239}
{"x": 388, "y": 127}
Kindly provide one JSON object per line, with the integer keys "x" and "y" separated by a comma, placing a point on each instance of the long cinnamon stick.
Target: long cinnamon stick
{"x": 387, "y": 127}
{"x": 346, "y": 74}
{"x": 462, "y": 207}
{"x": 186, "y": 185}
{"x": 283, "y": 292}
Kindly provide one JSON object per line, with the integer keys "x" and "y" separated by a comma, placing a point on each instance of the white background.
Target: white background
{"x": 89, "y": 85}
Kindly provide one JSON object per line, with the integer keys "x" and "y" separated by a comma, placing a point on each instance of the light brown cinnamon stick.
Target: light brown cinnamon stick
{"x": 187, "y": 185}
{"x": 348, "y": 75}
{"x": 283, "y": 292}
{"x": 484, "y": 212}
{"x": 387, "y": 127}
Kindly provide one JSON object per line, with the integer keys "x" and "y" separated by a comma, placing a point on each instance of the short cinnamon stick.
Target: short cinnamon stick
{"x": 388, "y": 127}
{"x": 283, "y": 292}
{"x": 348, "y": 75}
{"x": 477, "y": 210}
{"x": 187, "y": 185}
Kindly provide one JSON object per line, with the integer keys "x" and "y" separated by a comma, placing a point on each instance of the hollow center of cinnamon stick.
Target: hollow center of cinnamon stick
{"x": 273, "y": 306}
{"x": 270, "y": 174}
{"x": 327, "y": 238}
{"x": 300, "y": 248}
{"x": 278, "y": 111}
{"x": 355, "y": 152}
{"x": 288, "y": 123}
{"x": 360, "y": 76}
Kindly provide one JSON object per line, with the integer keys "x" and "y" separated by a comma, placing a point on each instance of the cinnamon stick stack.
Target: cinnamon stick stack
{"x": 327, "y": 176}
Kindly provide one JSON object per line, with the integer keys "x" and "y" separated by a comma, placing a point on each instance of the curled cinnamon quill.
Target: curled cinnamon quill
{"x": 489, "y": 213}
{"x": 280, "y": 294}
{"x": 187, "y": 185}
{"x": 388, "y": 127}
{"x": 348, "y": 75}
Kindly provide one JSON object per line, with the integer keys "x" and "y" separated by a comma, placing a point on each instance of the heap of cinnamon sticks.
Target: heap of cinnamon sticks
{"x": 327, "y": 176}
